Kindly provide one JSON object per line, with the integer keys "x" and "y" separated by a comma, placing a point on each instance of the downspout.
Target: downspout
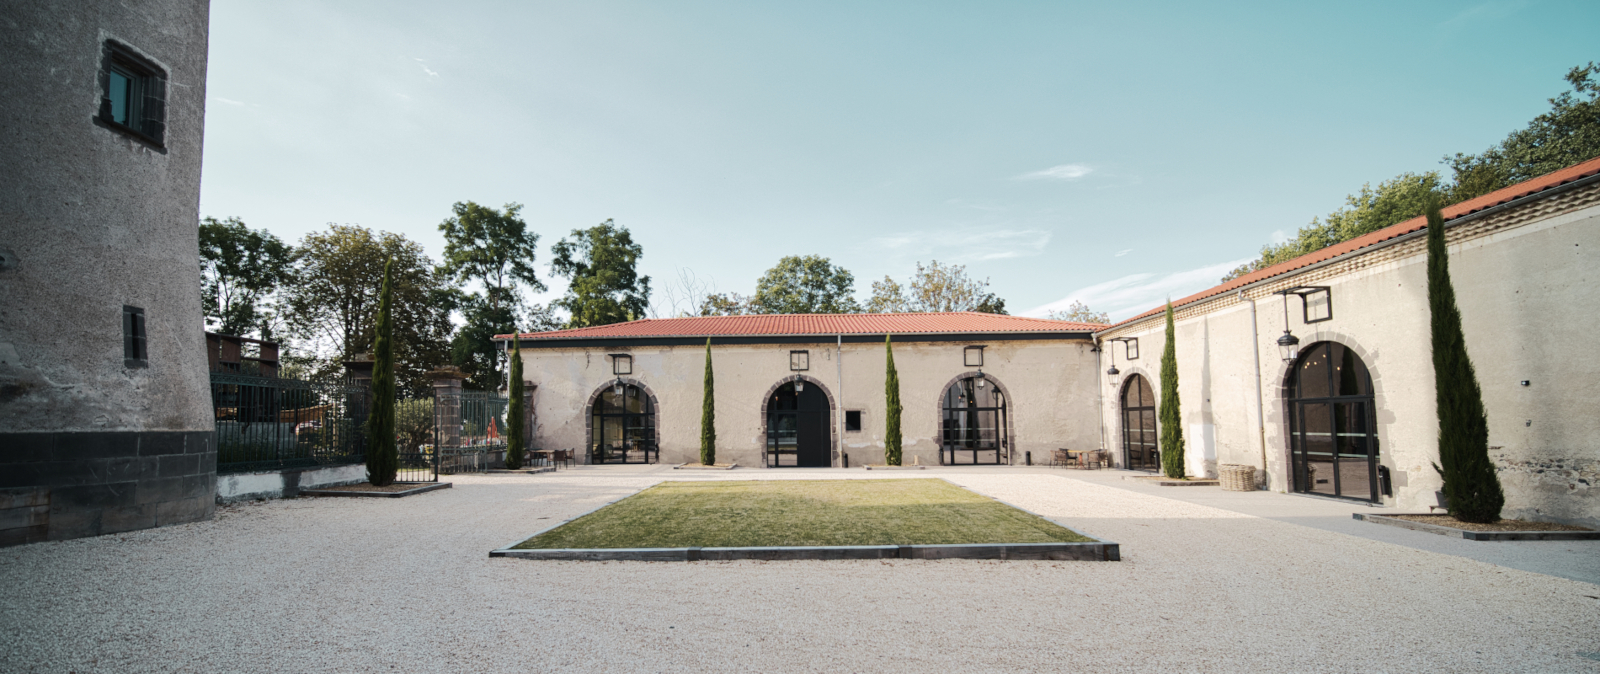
{"x": 1099, "y": 395}
{"x": 838, "y": 396}
{"x": 1261, "y": 421}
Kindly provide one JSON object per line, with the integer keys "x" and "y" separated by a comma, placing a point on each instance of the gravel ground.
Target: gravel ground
{"x": 374, "y": 585}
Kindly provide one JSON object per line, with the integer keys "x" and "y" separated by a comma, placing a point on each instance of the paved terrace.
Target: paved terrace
{"x": 1211, "y": 581}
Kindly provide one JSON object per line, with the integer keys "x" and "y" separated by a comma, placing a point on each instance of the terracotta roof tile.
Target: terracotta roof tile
{"x": 816, "y": 324}
{"x": 1517, "y": 191}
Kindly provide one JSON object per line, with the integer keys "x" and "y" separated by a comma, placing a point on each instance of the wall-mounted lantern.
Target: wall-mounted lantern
{"x": 621, "y": 364}
{"x": 799, "y": 361}
{"x": 1130, "y": 347}
{"x": 980, "y": 379}
{"x": 972, "y": 356}
{"x": 799, "y": 385}
{"x": 1316, "y": 306}
{"x": 616, "y": 390}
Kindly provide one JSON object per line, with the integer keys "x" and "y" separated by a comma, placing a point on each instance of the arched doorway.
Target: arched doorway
{"x": 974, "y": 423}
{"x": 1332, "y": 435}
{"x": 798, "y": 420}
{"x": 1140, "y": 449}
{"x": 623, "y": 426}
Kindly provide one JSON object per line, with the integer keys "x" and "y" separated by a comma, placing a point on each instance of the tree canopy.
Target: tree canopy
{"x": 811, "y": 284}
{"x": 1079, "y": 312}
{"x": 602, "y": 265}
{"x": 1567, "y": 134}
{"x": 934, "y": 288}
{"x": 333, "y": 304}
{"x": 240, "y": 269}
{"x": 496, "y": 250}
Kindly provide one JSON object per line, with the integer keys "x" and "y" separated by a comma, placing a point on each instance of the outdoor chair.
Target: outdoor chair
{"x": 562, "y": 456}
{"x": 1059, "y": 457}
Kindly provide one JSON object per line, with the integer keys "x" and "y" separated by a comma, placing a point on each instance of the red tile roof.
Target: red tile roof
{"x": 1517, "y": 191}
{"x": 964, "y": 322}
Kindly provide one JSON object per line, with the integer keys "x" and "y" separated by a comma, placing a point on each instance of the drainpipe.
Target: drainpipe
{"x": 1261, "y": 421}
{"x": 838, "y": 395}
{"x": 1100, "y": 395}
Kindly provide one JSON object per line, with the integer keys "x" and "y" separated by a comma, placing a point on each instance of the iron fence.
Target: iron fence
{"x": 469, "y": 431}
{"x": 414, "y": 430}
{"x": 272, "y": 423}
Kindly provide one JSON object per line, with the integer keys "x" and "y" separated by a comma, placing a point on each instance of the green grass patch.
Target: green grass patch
{"x": 763, "y": 513}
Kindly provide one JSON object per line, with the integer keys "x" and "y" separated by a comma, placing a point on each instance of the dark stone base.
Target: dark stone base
{"x": 421, "y": 488}
{"x": 1480, "y": 535}
{"x": 1098, "y": 551}
{"x": 62, "y": 485}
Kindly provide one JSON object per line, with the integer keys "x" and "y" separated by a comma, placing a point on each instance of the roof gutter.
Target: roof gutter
{"x": 1475, "y": 215}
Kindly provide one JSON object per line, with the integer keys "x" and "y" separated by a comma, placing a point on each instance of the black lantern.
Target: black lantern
{"x": 980, "y": 379}
{"x": 799, "y": 386}
{"x": 1113, "y": 376}
{"x": 1289, "y": 346}
{"x": 616, "y": 390}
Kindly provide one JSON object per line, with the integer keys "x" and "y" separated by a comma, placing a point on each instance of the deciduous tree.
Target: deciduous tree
{"x": 936, "y": 287}
{"x": 495, "y": 250}
{"x": 1078, "y": 312}
{"x": 809, "y": 284}
{"x": 240, "y": 269}
{"x": 602, "y": 265}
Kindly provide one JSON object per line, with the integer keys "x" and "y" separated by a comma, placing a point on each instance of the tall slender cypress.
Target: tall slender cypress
{"x": 892, "y": 442}
{"x": 1470, "y": 482}
{"x": 516, "y": 435}
{"x": 708, "y": 415}
{"x": 382, "y": 461}
{"x": 1171, "y": 410}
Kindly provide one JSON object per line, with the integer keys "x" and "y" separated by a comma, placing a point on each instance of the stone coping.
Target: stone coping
{"x": 696, "y": 466}
{"x": 1479, "y": 535}
{"x": 1169, "y": 482}
{"x": 896, "y": 468}
{"x": 1094, "y": 550}
{"x": 1099, "y": 551}
{"x": 422, "y": 487}
{"x": 528, "y": 471}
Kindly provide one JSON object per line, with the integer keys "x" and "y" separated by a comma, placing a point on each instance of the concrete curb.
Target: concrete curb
{"x": 685, "y": 466}
{"x": 1480, "y": 535}
{"x": 895, "y": 467}
{"x": 421, "y": 488}
{"x": 1086, "y": 552}
{"x": 528, "y": 471}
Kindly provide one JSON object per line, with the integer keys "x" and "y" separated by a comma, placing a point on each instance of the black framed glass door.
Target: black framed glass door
{"x": 1140, "y": 449}
{"x": 1333, "y": 437}
{"x": 798, "y": 433}
{"x": 623, "y": 427}
{"x": 974, "y": 424}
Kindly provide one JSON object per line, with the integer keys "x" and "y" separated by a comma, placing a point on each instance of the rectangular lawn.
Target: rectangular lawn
{"x": 763, "y": 513}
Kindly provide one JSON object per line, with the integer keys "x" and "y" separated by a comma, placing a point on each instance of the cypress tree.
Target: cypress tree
{"x": 382, "y": 461}
{"x": 515, "y": 432}
{"x": 1171, "y": 411}
{"x": 708, "y": 415}
{"x": 892, "y": 441}
{"x": 1470, "y": 482}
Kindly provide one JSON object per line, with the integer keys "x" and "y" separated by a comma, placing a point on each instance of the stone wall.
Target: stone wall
{"x": 92, "y": 219}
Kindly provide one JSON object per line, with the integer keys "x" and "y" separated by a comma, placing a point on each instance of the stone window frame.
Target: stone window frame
{"x": 151, "y": 101}
{"x": 1012, "y": 441}
{"x": 588, "y": 414}
{"x": 834, "y": 441}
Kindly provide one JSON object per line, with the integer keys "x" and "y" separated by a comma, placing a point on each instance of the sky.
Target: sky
{"x": 1112, "y": 153}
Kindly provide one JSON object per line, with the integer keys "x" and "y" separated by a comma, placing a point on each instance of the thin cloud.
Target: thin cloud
{"x": 228, "y": 101}
{"x": 425, "y": 68}
{"x": 1060, "y": 172}
{"x": 1123, "y": 252}
{"x": 1137, "y": 293}
{"x": 970, "y": 244}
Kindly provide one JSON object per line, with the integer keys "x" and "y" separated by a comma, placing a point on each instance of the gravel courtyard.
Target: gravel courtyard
{"x": 376, "y": 585}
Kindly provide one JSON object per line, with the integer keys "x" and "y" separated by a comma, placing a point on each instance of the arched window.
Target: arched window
{"x": 1140, "y": 450}
{"x": 1332, "y": 435}
{"x": 974, "y": 423}
{"x": 624, "y": 426}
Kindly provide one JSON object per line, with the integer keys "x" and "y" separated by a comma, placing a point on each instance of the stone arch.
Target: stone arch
{"x": 833, "y": 409}
{"x": 588, "y": 412}
{"x": 1116, "y": 405}
{"x": 1280, "y": 409}
{"x": 1011, "y": 426}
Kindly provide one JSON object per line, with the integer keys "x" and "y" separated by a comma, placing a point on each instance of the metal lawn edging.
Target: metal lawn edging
{"x": 1095, "y": 550}
{"x": 1479, "y": 535}
{"x": 685, "y": 466}
{"x": 421, "y": 487}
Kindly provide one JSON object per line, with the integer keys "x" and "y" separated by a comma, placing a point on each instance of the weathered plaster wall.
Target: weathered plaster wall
{"x": 1050, "y": 385}
{"x": 1524, "y": 280}
{"x": 91, "y": 220}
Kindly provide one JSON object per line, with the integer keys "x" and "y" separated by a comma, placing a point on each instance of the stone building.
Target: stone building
{"x": 1345, "y": 411}
{"x": 1346, "y": 408}
{"x": 974, "y": 388}
{"x": 105, "y": 416}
